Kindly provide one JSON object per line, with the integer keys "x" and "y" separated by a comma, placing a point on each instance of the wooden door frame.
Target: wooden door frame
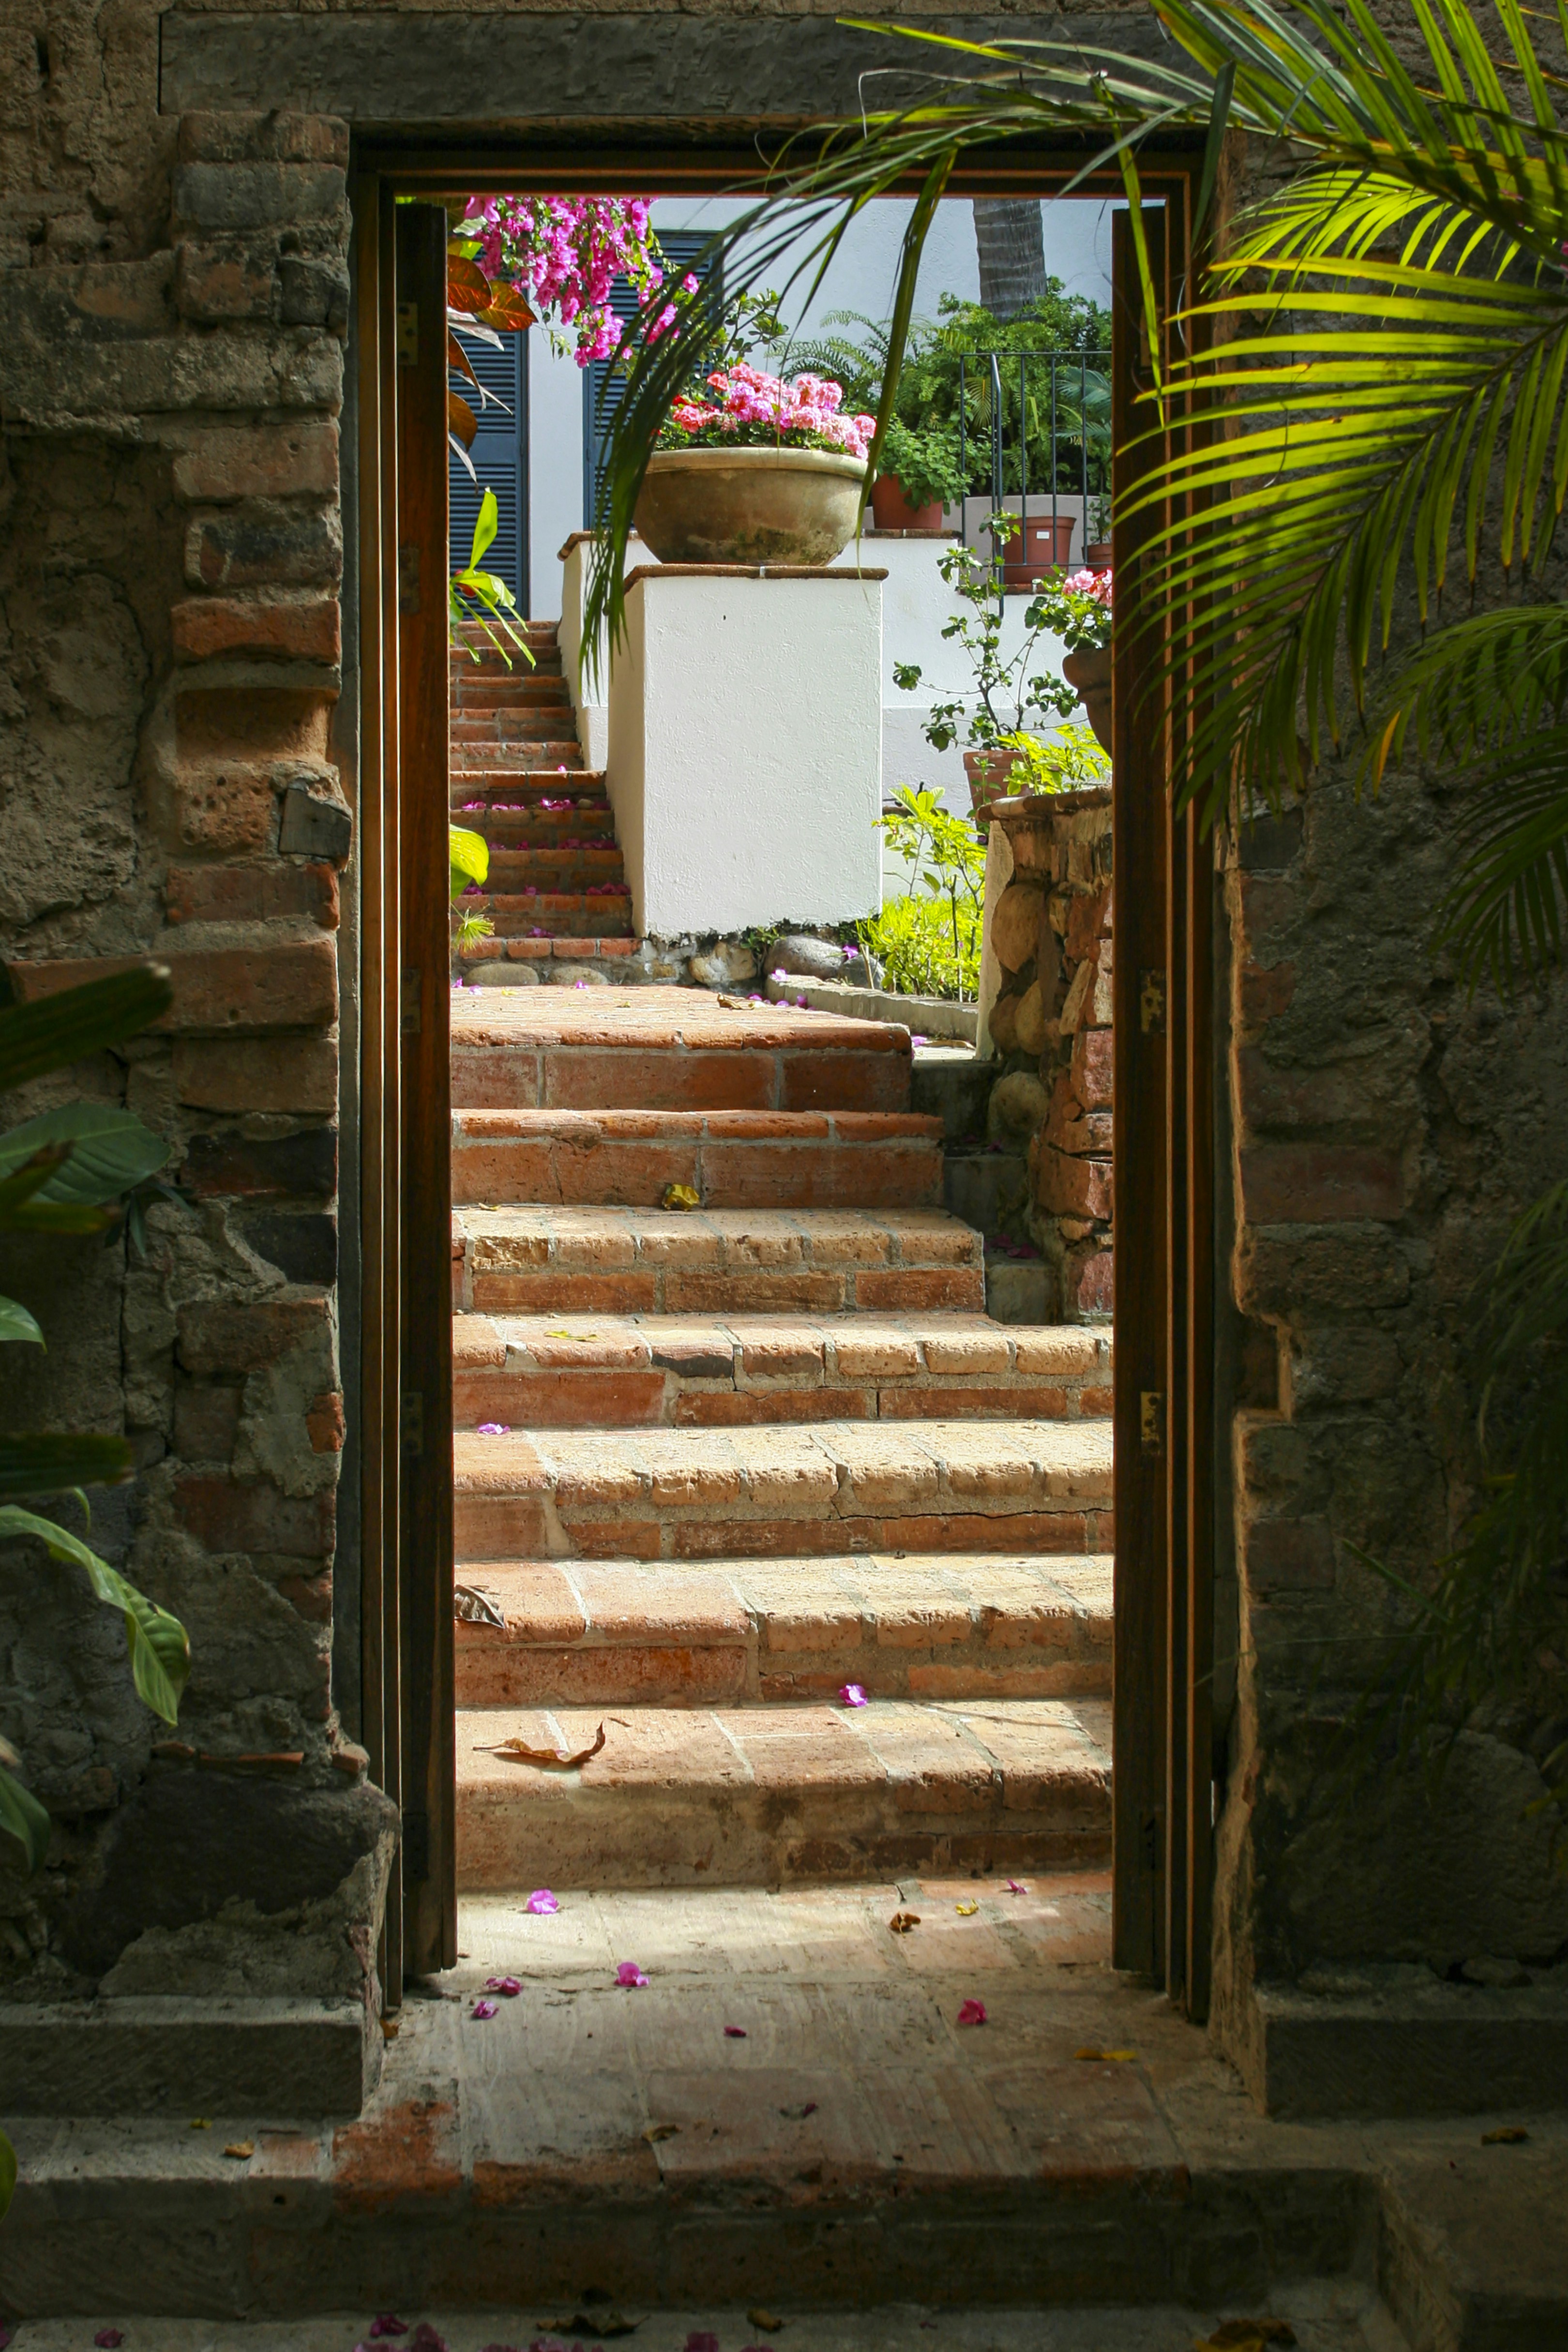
{"x": 1164, "y": 1411}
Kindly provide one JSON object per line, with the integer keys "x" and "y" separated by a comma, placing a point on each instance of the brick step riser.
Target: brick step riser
{"x": 502, "y": 1526}
{"x": 545, "y": 833}
{"x": 724, "y": 1175}
{"x": 677, "y": 1675}
{"x": 504, "y": 728}
{"x": 658, "y": 1290}
{"x": 552, "y": 954}
{"x": 634, "y": 1836}
{"x": 511, "y": 867}
{"x": 482, "y": 761}
{"x": 537, "y": 782}
{"x": 602, "y": 1397}
{"x": 584, "y": 1077}
{"x": 475, "y": 692}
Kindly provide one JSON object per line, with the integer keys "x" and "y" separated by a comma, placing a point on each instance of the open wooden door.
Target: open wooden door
{"x": 1164, "y": 1178}
{"x": 405, "y": 1186}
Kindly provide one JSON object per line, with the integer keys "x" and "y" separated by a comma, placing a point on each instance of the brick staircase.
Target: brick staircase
{"x": 715, "y": 1464}
{"x": 557, "y": 890}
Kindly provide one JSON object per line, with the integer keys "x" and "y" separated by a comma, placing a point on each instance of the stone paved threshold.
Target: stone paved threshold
{"x": 714, "y": 1261}
{"x": 669, "y": 1048}
{"x": 926, "y": 1626}
{"x": 536, "y": 1372}
{"x": 763, "y": 1796}
{"x": 855, "y": 2149}
{"x": 709, "y": 1494}
{"x": 733, "y": 1159}
{"x": 1326, "y": 2315}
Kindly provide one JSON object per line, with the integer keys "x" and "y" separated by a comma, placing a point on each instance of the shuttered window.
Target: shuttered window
{"x": 500, "y": 460}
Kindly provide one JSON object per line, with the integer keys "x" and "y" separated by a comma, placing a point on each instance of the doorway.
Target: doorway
{"x": 1164, "y": 1095}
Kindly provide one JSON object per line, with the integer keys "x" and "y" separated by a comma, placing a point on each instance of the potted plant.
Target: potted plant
{"x": 1004, "y": 692}
{"x": 1071, "y": 760}
{"x": 759, "y": 472}
{"x": 1078, "y": 609}
{"x": 1096, "y": 549}
{"x": 920, "y": 476}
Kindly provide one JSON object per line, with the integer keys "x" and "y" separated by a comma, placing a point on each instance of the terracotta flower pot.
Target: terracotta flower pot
{"x": 1097, "y": 555}
{"x": 1045, "y": 545}
{"x": 1090, "y": 672}
{"x": 749, "y": 506}
{"x": 893, "y": 511}
{"x": 989, "y": 773}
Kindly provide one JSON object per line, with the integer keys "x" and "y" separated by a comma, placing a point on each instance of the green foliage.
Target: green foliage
{"x": 469, "y": 857}
{"x": 475, "y": 595}
{"x": 1006, "y": 691}
{"x": 1071, "y": 760}
{"x": 58, "y": 1174}
{"x": 925, "y": 463}
{"x": 1080, "y": 617}
{"x": 948, "y": 864}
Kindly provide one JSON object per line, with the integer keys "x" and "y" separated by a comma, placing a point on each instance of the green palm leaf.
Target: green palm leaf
{"x": 59, "y": 1030}
{"x": 23, "y": 1818}
{"x": 43, "y": 1462}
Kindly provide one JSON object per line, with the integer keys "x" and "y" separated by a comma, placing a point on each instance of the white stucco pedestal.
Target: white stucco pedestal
{"x": 745, "y": 746}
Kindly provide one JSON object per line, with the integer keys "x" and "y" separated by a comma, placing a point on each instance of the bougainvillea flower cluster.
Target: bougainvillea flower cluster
{"x": 564, "y": 253}
{"x": 752, "y": 408}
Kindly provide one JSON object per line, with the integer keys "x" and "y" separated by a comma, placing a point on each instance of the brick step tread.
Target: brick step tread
{"x": 585, "y": 784}
{"x": 730, "y": 1159}
{"x": 510, "y": 865}
{"x": 675, "y": 1049}
{"x": 750, "y": 1796}
{"x": 491, "y": 665}
{"x": 831, "y": 1486}
{"x": 501, "y": 755}
{"x": 503, "y": 727}
{"x": 691, "y": 1371}
{"x": 516, "y": 913}
{"x": 553, "y": 829}
{"x": 473, "y": 690}
{"x": 574, "y": 1260}
{"x": 931, "y": 1625}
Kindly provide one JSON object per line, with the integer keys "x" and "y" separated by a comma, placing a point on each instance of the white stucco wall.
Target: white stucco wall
{"x": 745, "y": 750}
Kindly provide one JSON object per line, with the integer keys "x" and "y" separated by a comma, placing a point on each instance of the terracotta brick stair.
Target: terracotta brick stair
{"x": 715, "y": 1464}
{"x": 517, "y": 777}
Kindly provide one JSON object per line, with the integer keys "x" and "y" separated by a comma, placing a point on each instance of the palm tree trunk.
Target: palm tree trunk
{"x": 1009, "y": 238}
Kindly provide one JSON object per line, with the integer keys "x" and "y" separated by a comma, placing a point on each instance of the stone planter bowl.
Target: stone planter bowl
{"x": 749, "y": 506}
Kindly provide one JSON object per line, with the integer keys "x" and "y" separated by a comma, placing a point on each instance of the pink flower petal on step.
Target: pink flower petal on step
{"x": 1013, "y": 1887}
{"x": 494, "y": 1429}
{"x": 700, "y": 2341}
{"x": 734, "y": 2033}
{"x": 541, "y": 1902}
{"x": 630, "y": 1974}
{"x": 109, "y": 2336}
{"x": 973, "y": 2012}
{"x": 508, "y": 1987}
{"x": 386, "y": 2322}
{"x": 482, "y": 2009}
{"x": 424, "y": 2340}
{"x": 852, "y": 1695}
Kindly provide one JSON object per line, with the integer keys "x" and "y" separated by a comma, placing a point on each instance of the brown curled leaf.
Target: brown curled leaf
{"x": 552, "y": 1760}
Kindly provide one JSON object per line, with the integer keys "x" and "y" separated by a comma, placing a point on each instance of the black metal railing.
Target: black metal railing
{"x": 1072, "y": 408}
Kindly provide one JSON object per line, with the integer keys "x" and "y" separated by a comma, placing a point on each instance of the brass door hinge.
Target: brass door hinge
{"x": 411, "y": 977}
{"x": 411, "y": 1418}
{"x": 1151, "y": 1420}
{"x": 1152, "y": 1003}
{"x": 408, "y": 334}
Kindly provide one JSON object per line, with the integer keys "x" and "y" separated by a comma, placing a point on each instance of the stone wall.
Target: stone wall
{"x": 1049, "y": 1023}
{"x": 171, "y": 368}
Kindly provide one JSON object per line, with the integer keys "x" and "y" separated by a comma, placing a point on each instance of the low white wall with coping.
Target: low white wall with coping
{"x": 590, "y": 697}
{"x": 745, "y": 746}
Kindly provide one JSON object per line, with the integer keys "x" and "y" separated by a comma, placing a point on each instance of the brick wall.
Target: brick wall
{"x": 171, "y": 578}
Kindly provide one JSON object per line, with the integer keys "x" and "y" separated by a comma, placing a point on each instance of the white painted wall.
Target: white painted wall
{"x": 745, "y": 741}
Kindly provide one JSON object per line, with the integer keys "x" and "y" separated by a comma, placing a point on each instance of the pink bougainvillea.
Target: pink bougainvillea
{"x": 564, "y": 253}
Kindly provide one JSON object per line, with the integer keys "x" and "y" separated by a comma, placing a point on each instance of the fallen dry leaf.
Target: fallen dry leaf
{"x": 472, "y": 1607}
{"x": 1244, "y": 2334}
{"x": 766, "y": 2320}
{"x": 656, "y": 2132}
{"x": 798, "y": 2115}
{"x": 966, "y": 1910}
{"x": 902, "y": 1921}
{"x": 600, "y": 2322}
{"x": 240, "y": 2149}
{"x": 1505, "y": 2136}
{"x": 1120, "y": 2058}
{"x": 554, "y": 1759}
{"x": 680, "y": 1196}
{"x": 201, "y": 2122}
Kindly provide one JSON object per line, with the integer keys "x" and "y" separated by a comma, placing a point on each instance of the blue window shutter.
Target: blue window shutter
{"x": 603, "y": 390}
{"x": 500, "y": 453}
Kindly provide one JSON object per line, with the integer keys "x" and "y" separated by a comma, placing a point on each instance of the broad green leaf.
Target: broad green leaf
{"x": 469, "y": 853}
{"x": 110, "y": 1152}
{"x": 15, "y": 1323}
{"x": 7, "y": 2174}
{"x": 160, "y": 1648}
{"x": 44, "y": 1462}
{"x": 60, "y": 1030}
{"x": 25, "y": 1820}
{"x": 486, "y": 525}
